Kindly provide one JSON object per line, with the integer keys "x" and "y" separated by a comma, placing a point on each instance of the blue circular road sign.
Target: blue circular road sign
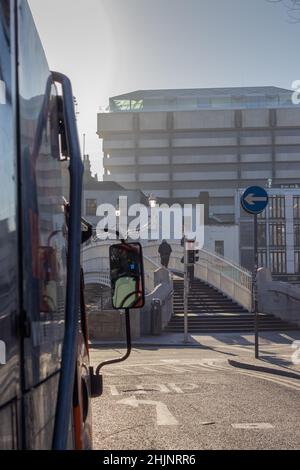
{"x": 255, "y": 199}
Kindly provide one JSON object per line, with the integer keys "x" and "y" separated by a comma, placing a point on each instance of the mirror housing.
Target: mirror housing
{"x": 127, "y": 275}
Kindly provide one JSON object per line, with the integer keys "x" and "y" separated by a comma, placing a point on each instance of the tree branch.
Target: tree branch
{"x": 293, "y": 9}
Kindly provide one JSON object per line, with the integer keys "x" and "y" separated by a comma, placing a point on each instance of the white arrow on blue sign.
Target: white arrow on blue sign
{"x": 254, "y": 200}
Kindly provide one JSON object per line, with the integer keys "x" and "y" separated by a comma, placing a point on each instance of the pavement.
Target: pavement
{"x": 205, "y": 340}
{"x": 211, "y": 394}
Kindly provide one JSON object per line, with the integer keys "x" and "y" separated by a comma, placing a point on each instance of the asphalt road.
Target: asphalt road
{"x": 217, "y": 397}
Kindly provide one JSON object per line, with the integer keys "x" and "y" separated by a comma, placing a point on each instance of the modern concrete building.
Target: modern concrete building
{"x": 177, "y": 143}
{"x": 97, "y": 192}
{"x": 278, "y": 234}
{"x": 220, "y": 239}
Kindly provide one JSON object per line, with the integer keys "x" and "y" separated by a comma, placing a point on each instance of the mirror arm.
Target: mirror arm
{"x": 97, "y": 378}
{"x": 115, "y": 232}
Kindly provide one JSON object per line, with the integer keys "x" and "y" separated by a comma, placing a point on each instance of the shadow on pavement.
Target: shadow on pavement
{"x": 268, "y": 370}
{"x": 278, "y": 361}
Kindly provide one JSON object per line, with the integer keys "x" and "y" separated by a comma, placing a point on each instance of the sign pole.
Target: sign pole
{"x": 254, "y": 289}
{"x": 185, "y": 292}
{"x": 254, "y": 201}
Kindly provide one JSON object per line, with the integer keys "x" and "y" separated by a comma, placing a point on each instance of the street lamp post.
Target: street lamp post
{"x": 185, "y": 291}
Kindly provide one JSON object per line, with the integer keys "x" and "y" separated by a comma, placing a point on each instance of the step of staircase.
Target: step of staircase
{"x": 209, "y": 311}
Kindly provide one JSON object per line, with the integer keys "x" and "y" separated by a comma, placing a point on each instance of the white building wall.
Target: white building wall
{"x": 227, "y": 233}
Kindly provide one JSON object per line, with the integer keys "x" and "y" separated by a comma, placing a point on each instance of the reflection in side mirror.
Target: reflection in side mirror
{"x": 127, "y": 275}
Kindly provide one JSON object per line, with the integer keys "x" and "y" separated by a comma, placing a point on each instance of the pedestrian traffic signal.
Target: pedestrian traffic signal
{"x": 193, "y": 256}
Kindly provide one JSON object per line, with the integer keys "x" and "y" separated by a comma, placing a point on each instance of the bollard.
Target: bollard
{"x": 156, "y": 317}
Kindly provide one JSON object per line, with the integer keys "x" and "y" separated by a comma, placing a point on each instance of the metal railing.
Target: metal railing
{"x": 226, "y": 276}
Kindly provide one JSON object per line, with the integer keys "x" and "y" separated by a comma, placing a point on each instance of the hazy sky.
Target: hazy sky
{"x": 109, "y": 47}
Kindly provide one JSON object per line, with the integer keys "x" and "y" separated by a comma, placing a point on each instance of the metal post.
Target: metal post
{"x": 254, "y": 288}
{"x": 83, "y": 147}
{"x": 128, "y": 345}
{"x": 185, "y": 293}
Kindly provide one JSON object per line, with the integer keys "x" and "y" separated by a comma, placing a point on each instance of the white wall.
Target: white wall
{"x": 229, "y": 234}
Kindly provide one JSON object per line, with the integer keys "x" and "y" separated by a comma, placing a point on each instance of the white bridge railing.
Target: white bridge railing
{"x": 231, "y": 279}
{"x": 95, "y": 263}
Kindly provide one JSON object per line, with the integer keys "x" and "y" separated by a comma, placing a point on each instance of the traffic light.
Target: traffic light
{"x": 193, "y": 256}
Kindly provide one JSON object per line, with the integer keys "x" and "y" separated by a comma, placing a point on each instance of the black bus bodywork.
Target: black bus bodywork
{"x": 44, "y": 384}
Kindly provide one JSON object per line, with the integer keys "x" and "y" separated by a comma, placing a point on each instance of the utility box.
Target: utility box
{"x": 156, "y": 317}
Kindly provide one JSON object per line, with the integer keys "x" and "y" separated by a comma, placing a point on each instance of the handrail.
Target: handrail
{"x": 216, "y": 262}
{"x": 203, "y": 250}
{"x": 230, "y": 278}
{"x": 68, "y": 362}
{"x": 227, "y": 262}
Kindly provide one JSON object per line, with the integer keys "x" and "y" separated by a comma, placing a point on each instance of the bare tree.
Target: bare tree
{"x": 293, "y": 9}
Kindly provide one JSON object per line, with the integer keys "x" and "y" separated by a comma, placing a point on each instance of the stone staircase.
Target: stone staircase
{"x": 209, "y": 311}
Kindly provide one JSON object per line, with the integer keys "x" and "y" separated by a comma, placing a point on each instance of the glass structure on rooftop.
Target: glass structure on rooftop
{"x": 202, "y": 98}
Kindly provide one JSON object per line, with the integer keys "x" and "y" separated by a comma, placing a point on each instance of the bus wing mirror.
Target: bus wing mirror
{"x": 127, "y": 275}
{"x": 127, "y": 291}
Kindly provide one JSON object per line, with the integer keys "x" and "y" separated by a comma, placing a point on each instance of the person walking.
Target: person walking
{"x": 165, "y": 251}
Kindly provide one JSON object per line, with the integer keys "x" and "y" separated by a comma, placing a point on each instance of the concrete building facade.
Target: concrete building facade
{"x": 278, "y": 234}
{"x": 177, "y": 143}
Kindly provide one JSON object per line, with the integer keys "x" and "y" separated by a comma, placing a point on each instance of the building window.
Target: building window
{"x": 277, "y": 207}
{"x": 262, "y": 258}
{"x": 296, "y": 207}
{"x": 278, "y": 262}
{"x": 91, "y": 207}
{"x": 297, "y": 261}
{"x": 261, "y": 234}
{"x": 297, "y": 235}
{"x": 277, "y": 234}
{"x": 262, "y": 215}
{"x": 246, "y": 234}
{"x": 297, "y": 245}
{"x": 219, "y": 247}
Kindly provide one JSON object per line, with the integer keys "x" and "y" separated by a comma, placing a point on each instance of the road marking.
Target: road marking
{"x": 170, "y": 361}
{"x": 140, "y": 389}
{"x": 257, "y": 375}
{"x": 252, "y": 426}
{"x": 178, "y": 368}
{"x": 163, "y": 369}
{"x": 188, "y": 386}
{"x": 175, "y": 388}
{"x": 163, "y": 416}
{"x": 154, "y": 388}
{"x": 163, "y": 388}
{"x": 204, "y": 365}
{"x": 114, "y": 390}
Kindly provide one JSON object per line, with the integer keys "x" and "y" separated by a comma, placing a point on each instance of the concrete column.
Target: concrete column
{"x": 170, "y": 130}
{"x": 289, "y": 234}
{"x": 238, "y": 126}
{"x": 136, "y": 130}
{"x": 273, "y": 125}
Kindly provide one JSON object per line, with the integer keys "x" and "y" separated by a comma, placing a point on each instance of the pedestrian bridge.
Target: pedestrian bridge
{"x": 230, "y": 279}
